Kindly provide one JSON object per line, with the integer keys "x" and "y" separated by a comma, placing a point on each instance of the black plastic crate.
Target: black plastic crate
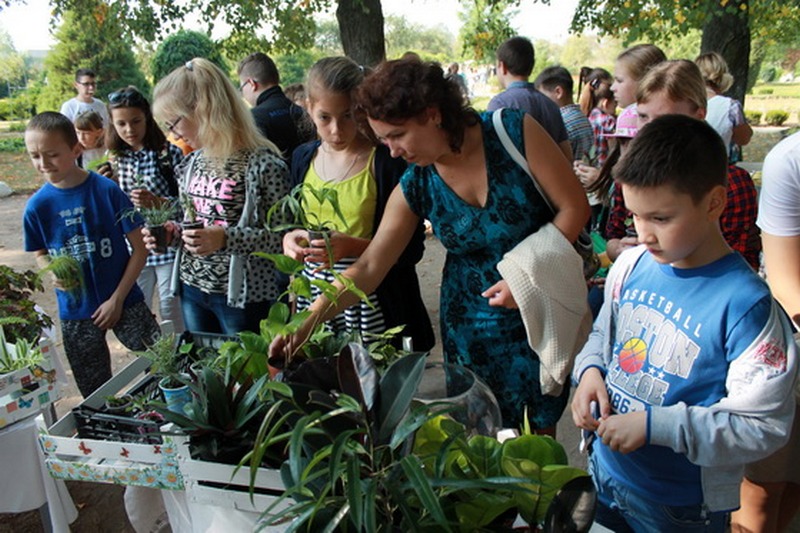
{"x": 94, "y": 423}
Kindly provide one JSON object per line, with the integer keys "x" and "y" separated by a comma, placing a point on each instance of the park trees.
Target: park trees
{"x": 89, "y": 40}
{"x": 177, "y": 49}
{"x": 728, "y": 26}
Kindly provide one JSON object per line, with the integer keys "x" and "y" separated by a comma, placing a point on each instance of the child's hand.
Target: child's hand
{"x": 295, "y": 243}
{"x": 591, "y": 388}
{"x": 173, "y": 232}
{"x": 340, "y": 247}
{"x": 108, "y": 314}
{"x": 204, "y": 241}
{"x": 585, "y": 173}
{"x": 144, "y": 198}
{"x": 624, "y": 433}
{"x": 499, "y": 295}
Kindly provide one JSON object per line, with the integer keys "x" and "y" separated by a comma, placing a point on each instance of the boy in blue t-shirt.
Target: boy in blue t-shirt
{"x": 79, "y": 213}
{"x": 691, "y": 362}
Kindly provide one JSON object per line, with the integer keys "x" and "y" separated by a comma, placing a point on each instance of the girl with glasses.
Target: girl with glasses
{"x": 231, "y": 180}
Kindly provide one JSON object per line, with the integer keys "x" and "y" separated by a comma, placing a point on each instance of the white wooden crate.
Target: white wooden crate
{"x": 17, "y": 399}
{"x": 124, "y": 463}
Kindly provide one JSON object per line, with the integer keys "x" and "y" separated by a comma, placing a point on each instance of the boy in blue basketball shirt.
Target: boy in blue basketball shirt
{"x": 79, "y": 213}
{"x": 691, "y": 362}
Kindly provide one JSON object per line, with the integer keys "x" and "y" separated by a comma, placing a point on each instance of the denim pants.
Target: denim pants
{"x": 622, "y": 510}
{"x": 210, "y": 313}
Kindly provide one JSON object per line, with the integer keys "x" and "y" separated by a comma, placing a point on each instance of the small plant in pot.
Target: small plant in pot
{"x": 23, "y": 319}
{"x": 189, "y": 213}
{"x": 165, "y": 357}
{"x": 302, "y": 208}
{"x": 119, "y": 405}
{"x": 155, "y": 217}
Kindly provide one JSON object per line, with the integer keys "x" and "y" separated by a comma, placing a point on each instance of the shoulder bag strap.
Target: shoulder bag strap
{"x": 515, "y": 154}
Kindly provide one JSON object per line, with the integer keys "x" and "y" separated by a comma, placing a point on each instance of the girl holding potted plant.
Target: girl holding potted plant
{"x": 481, "y": 204}
{"x": 231, "y": 180}
{"x": 145, "y": 164}
{"x": 347, "y": 160}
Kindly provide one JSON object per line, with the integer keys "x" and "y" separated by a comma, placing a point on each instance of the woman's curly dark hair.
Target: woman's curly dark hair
{"x": 399, "y": 90}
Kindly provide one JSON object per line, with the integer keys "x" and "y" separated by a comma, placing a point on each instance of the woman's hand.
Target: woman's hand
{"x": 204, "y": 241}
{"x": 586, "y": 173}
{"x": 295, "y": 244}
{"x": 499, "y": 295}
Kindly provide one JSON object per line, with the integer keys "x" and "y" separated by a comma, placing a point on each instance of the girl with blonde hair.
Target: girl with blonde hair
{"x": 724, "y": 114}
{"x": 231, "y": 180}
{"x": 631, "y": 66}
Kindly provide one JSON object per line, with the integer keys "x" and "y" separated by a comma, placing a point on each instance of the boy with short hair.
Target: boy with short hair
{"x": 515, "y": 60}
{"x": 81, "y": 214}
{"x": 691, "y": 362}
{"x": 556, "y": 83}
{"x": 86, "y": 85}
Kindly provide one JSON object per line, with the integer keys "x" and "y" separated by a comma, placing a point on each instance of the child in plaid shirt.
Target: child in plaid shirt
{"x": 145, "y": 164}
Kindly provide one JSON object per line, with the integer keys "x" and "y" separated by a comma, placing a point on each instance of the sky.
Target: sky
{"x": 28, "y": 24}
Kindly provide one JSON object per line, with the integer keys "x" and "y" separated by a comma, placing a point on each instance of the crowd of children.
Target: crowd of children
{"x": 687, "y": 378}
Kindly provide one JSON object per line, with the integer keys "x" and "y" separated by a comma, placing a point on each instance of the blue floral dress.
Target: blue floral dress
{"x": 491, "y": 341}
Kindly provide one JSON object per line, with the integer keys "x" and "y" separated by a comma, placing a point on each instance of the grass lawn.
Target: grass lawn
{"x": 16, "y": 169}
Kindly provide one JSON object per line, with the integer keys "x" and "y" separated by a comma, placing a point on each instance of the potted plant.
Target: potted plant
{"x": 189, "y": 213}
{"x": 155, "y": 217}
{"x": 165, "y": 356}
{"x": 301, "y": 209}
{"x": 118, "y": 405}
{"x": 67, "y": 272}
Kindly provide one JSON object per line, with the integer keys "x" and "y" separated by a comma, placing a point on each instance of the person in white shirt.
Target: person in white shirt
{"x": 85, "y": 84}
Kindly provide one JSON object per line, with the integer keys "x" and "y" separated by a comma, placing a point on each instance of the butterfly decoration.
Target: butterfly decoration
{"x": 25, "y": 403}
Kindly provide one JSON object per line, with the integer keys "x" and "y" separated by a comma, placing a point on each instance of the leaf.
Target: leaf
{"x": 482, "y": 510}
{"x": 283, "y": 263}
{"x": 354, "y": 494}
{"x": 358, "y": 376}
{"x": 397, "y": 389}
{"x": 413, "y": 470}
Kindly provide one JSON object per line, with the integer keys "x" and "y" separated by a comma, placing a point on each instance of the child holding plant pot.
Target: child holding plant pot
{"x": 145, "y": 164}
{"x": 230, "y": 181}
{"x": 347, "y": 160}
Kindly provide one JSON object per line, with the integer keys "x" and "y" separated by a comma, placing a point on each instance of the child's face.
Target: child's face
{"x": 131, "y": 125}
{"x": 51, "y": 155}
{"x": 89, "y": 138}
{"x": 332, "y": 114}
{"x": 86, "y": 86}
{"x": 624, "y": 86}
{"x": 674, "y": 228}
{"x": 660, "y": 104}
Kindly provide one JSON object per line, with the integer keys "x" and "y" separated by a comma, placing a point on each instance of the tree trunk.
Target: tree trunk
{"x": 729, "y": 35}
{"x": 361, "y": 30}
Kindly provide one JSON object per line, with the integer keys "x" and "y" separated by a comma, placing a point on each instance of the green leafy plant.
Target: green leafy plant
{"x": 776, "y": 117}
{"x": 67, "y": 270}
{"x": 95, "y": 164}
{"x": 22, "y": 354}
{"x": 165, "y": 357}
{"x": 155, "y": 215}
{"x": 20, "y": 317}
{"x": 189, "y": 211}
{"x": 292, "y": 211}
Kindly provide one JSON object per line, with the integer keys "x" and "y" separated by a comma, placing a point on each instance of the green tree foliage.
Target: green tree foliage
{"x": 294, "y": 67}
{"x": 485, "y": 26}
{"x": 89, "y": 40}
{"x": 12, "y": 65}
{"x": 434, "y": 44}
{"x": 179, "y": 48}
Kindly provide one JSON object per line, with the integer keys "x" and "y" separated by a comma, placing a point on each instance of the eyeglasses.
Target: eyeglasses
{"x": 127, "y": 97}
{"x": 244, "y": 84}
{"x": 87, "y": 83}
{"x": 171, "y": 127}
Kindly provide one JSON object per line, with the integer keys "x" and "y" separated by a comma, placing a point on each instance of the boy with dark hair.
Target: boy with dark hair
{"x": 556, "y": 83}
{"x": 81, "y": 214}
{"x": 279, "y": 119}
{"x": 86, "y": 85}
{"x": 687, "y": 391}
{"x": 515, "y": 59}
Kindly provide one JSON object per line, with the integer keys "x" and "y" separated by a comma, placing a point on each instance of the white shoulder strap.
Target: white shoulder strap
{"x": 516, "y": 155}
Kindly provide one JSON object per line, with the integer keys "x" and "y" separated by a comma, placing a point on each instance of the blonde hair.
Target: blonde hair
{"x": 715, "y": 71}
{"x": 680, "y": 79}
{"x": 201, "y": 91}
{"x": 639, "y": 59}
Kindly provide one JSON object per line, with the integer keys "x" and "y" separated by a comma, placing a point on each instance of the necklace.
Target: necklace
{"x": 323, "y": 167}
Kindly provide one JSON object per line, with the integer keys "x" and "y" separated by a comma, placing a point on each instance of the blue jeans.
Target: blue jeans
{"x": 210, "y": 313}
{"x": 622, "y": 510}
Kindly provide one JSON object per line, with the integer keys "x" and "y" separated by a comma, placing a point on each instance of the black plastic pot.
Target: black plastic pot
{"x": 160, "y": 235}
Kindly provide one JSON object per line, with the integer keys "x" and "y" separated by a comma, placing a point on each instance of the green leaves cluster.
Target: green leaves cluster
{"x": 18, "y": 355}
